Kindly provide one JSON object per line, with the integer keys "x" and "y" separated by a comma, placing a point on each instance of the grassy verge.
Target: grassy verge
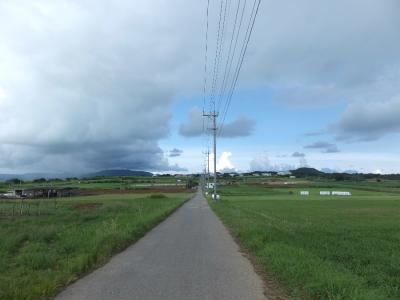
{"x": 39, "y": 254}
{"x": 316, "y": 247}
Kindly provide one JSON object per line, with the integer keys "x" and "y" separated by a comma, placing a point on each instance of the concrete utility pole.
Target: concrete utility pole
{"x": 214, "y": 116}
{"x": 207, "y": 168}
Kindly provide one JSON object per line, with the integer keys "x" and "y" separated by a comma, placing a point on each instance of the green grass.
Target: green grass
{"x": 128, "y": 182}
{"x": 41, "y": 254}
{"x": 320, "y": 247}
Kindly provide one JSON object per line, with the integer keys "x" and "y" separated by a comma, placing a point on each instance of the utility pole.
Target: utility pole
{"x": 207, "y": 168}
{"x": 213, "y": 115}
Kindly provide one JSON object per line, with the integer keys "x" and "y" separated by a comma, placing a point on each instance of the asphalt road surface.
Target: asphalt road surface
{"x": 190, "y": 255}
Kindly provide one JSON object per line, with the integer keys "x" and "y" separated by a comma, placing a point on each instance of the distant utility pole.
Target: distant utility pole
{"x": 213, "y": 115}
{"x": 207, "y": 168}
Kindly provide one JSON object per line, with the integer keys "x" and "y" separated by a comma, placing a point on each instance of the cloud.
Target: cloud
{"x": 224, "y": 163}
{"x": 325, "y": 146}
{"x": 175, "y": 152}
{"x": 240, "y": 127}
{"x": 88, "y": 87}
{"x": 320, "y": 62}
{"x": 316, "y": 133}
{"x": 368, "y": 121}
{"x": 196, "y": 125}
{"x": 298, "y": 154}
{"x": 85, "y": 87}
{"x": 262, "y": 163}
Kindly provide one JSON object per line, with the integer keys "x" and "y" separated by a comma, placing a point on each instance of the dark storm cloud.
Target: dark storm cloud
{"x": 324, "y": 146}
{"x": 85, "y": 87}
{"x": 195, "y": 124}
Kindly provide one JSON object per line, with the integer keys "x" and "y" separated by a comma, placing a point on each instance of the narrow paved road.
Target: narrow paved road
{"x": 189, "y": 256}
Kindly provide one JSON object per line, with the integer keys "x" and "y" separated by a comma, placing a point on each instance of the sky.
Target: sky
{"x": 89, "y": 85}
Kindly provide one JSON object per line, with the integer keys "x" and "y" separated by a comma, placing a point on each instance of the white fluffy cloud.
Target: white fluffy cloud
{"x": 224, "y": 163}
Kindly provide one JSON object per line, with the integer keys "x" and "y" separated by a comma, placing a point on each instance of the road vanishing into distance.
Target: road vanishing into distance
{"x": 190, "y": 255}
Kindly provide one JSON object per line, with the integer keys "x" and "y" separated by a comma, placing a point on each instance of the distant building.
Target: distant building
{"x": 284, "y": 173}
{"x": 337, "y": 193}
{"x": 41, "y": 192}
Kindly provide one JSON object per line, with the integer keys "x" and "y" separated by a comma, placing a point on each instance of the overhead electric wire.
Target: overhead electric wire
{"x": 218, "y": 50}
{"x": 241, "y": 58}
{"x": 231, "y": 57}
{"x": 205, "y": 62}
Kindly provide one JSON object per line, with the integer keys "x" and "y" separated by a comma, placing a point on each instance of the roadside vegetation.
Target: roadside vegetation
{"x": 320, "y": 247}
{"x": 40, "y": 254}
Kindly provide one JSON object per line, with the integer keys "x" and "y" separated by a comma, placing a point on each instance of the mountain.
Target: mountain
{"x": 303, "y": 172}
{"x": 329, "y": 171}
{"x": 119, "y": 172}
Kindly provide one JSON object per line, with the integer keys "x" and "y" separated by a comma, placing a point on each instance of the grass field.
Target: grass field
{"x": 321, "y": 247}
{"x": 41, "y": 254}
{"x": 125, "y": 182}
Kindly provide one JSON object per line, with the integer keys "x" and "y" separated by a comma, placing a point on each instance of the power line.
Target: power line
{"x": 228, "y": 83}
{"x": 205, "y": 61}
{"x": 231, "y": 57}
{"x": 218, "y": 49}
{"x": 243, "y": 52}
{"x": 238, "y": 66}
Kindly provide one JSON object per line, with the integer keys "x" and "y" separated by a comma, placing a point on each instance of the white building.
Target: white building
{"x": 339, "y": 193}
{"x": 325, "y": 193}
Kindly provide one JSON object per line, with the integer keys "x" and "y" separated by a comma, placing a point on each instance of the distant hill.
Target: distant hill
{"x": 302, "y": 172}
{"x": 119, "y": 172}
